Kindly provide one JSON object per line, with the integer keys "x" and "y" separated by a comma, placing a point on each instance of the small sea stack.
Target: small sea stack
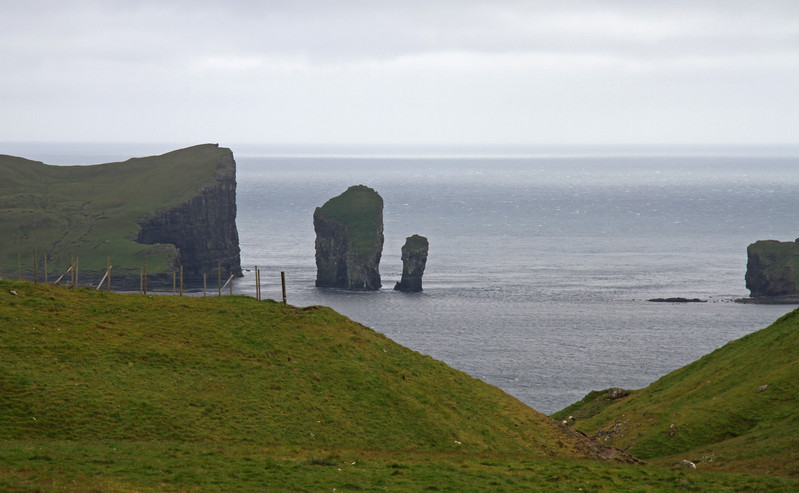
{"x": 414, "y": 259}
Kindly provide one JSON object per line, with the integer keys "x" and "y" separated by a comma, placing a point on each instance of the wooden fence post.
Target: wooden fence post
{"x": 181, "y": 280}
{"x": 45, "y": 267}
{"x": 257, "y": 284}
{"x": 35, "y": 274}
{"x": 205, "y": 282}
{"x": 219, "y": 273}
{"x": 283, "y": 284}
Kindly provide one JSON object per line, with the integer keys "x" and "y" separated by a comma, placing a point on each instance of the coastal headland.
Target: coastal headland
{"x": 172, "y": 212}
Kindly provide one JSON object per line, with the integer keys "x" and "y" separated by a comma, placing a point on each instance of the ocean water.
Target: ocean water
{"x": 541, "y": 260}
{"x": 540, "y": 266}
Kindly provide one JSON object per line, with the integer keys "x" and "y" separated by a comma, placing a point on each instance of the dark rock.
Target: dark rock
{"x": 203, "y": 228}
{"x": 677, "y": 300}
{"x": 414, "y": 259}
{"x": 349, "y": 240}
{"x": 617, "y": 393}
{"x": 772, "y": 268}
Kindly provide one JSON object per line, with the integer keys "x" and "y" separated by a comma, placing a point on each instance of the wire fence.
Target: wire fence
{"x": 71, "y": 278}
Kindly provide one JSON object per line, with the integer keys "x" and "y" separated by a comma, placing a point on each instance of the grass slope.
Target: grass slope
{"x": 93, "y": 211}
{"x": 716, "y": 411}
{"x": 109, "y": 392}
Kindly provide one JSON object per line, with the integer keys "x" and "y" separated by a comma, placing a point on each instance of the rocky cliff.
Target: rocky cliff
{"x": 175, "y": 209}
{"x": 203, "y": 228}
{"x": 349, "y": 240}
{"x": 414, "y": 259}
{"x": 772, "y": 268}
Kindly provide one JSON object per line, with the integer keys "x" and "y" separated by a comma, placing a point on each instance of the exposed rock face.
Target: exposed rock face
{"x": 349, "y": 240}
{"x": 203, "y": 228}
{"x": 772, "y": 268}
{"x": 414, "y": 259}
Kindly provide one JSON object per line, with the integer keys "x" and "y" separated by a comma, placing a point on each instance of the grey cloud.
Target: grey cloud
{"x": 325, "y": 30}
{"x": 500, "y": 70}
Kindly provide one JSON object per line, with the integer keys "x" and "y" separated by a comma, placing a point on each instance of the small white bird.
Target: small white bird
{"x": 13, "y": 292}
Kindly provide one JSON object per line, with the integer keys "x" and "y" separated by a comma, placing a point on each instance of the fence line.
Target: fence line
{"x": 72, "y": 274}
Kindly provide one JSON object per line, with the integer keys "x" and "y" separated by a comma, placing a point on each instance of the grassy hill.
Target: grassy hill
{"x": 93, "y": 211}
{"x": 110, "y": 392}
{"x": 734, "y": 409}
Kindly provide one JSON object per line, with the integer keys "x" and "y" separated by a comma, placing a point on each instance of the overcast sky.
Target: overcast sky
{"x": 394, "y": 72}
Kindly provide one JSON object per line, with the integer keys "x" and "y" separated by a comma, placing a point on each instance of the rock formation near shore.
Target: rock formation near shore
{"x": 772, "y": 268}
{"x": 349, "y": 240}
{"x": 414, "y": 259}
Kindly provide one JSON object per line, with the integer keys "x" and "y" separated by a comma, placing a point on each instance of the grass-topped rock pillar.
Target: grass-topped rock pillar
{"x": 414, "y": 259}
{"x": 349, "y": 240}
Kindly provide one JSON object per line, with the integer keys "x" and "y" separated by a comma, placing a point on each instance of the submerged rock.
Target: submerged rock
{"x": 414, "y": 259}
{"x": 349, "y": 240}
{"x": 772, "y": 268}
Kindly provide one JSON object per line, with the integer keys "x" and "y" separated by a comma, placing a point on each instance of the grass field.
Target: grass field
{"x": 112, "y": 392}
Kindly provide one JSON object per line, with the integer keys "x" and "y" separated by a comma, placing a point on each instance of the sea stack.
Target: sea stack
{"x": 414, "y": 259}
{"x": 772, "y": 268}
{"x": 349, "y": 240}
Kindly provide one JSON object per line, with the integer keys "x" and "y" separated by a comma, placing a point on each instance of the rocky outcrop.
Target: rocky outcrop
{"x": 349, "y": 240}
{"x": 414, "y": 259}
{"x": 772, "y": 268}
{"x": 203, "y": 228}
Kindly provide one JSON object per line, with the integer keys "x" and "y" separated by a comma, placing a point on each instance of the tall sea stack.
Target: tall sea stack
{"x": 414, "y": 259}
{"x": 349, "y": 240}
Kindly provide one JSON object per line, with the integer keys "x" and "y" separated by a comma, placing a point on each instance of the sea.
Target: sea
{"x": 542, "y": 259}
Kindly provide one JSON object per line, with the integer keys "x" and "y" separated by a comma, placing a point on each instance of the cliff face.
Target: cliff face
{"x": 349, "y": 240}
{"x": 414, "y": 259}
{"x": 174, "y": 209}
{"x": 772, "y": 268}
{"x": 203, "y": 228}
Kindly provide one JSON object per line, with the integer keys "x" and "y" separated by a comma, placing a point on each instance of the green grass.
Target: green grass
{"x": 93, "y": 211}
{"x": 360, "y": 210}
{"x": 111, "y": 392}
{"x": 721, "y": 419}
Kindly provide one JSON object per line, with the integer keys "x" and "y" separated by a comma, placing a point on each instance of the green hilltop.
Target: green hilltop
{"x": 734, "y": 409}
{"x": 94, "y": 211}
{"x": 113, "y": 392}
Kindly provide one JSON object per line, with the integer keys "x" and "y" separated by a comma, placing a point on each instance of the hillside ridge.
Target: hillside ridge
{"x": 733, "y": 409}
